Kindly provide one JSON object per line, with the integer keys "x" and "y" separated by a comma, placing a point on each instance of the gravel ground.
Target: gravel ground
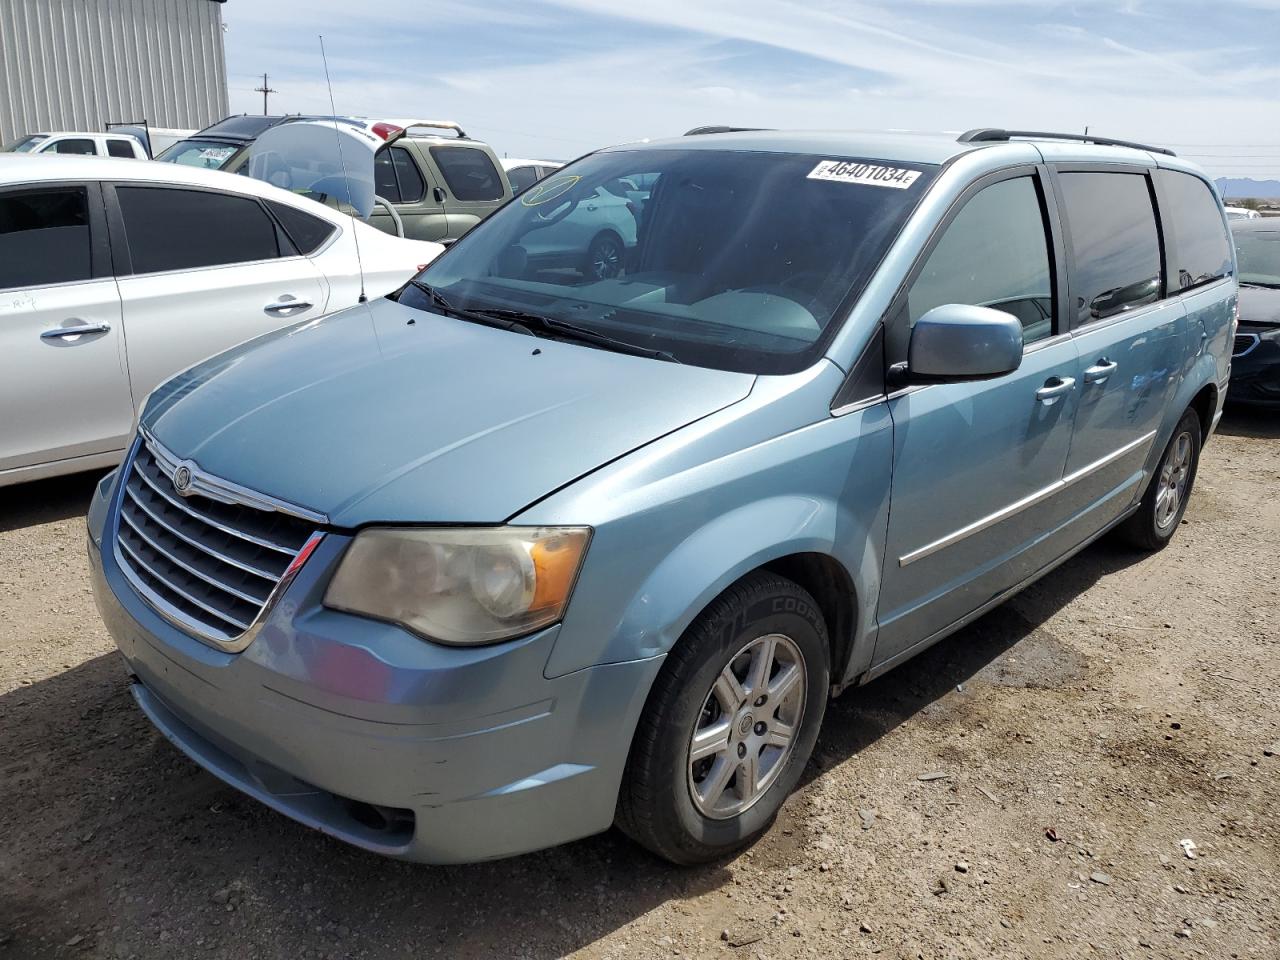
{"x": 1031, "y": 787}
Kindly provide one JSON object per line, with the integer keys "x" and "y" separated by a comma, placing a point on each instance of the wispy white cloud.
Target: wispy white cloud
{"x": 562, "y": 76}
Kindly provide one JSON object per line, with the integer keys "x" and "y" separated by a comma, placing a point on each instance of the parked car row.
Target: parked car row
{"x": 558, "y": 535}
{"x": 113, "y": 277}
{"x": 95, "y": 257}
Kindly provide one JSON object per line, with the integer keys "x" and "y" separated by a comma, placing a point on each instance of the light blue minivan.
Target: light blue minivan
{"x": 520, "y": 551}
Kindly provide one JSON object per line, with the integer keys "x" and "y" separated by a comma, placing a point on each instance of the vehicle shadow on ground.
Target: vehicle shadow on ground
{"x": 108, "y": 833}
{"x": 45, "y": 501}
{"x": 1257, "y": 422}
{"x": 863, "y": 715}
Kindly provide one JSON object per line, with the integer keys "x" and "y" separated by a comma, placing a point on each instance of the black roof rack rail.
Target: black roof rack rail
{"x": 700, "y": 131}
{"x": 996, "y": 135}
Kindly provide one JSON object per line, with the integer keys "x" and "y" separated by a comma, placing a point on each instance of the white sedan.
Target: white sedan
{"x": 115, "y": 276}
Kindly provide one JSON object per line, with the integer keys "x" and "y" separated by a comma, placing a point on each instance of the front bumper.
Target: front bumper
{"x": 1255, "y": 373}
{"x": 409, "y": 749}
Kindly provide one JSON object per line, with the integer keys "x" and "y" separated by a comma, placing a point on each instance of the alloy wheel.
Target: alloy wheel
{"x": 1175, "y": 474}
{"x": 606, "y": 259}
{"x": 747, "y": 727}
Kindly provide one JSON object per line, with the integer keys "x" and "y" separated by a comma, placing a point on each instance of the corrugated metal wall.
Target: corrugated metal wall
{"x": 78, "y": 64}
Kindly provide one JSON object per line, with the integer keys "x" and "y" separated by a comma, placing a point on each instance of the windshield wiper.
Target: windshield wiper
{"x": 521, "y": 321}
{"x": 571, "y": 331}
{"x": 1260, "y": 283}
{"x": 485, "y": 319}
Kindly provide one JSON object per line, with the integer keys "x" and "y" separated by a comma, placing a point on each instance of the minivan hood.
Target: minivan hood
{"x": 384, "y": 413}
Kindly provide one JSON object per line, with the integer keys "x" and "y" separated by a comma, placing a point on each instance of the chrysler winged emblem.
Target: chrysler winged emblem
{"x": 182, "y": 479}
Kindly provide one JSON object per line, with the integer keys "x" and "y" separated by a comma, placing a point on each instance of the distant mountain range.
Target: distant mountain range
{"x": 1239, "y": 187}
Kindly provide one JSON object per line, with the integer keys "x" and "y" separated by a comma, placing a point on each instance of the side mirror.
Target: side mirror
{"x": 957, "y": 342}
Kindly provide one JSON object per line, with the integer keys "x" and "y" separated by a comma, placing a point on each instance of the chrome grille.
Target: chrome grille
{"x": 1244, "y": 343}
{"x": 209, "y": 565}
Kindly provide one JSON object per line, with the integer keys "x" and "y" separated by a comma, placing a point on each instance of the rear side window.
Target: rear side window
{"x": 522, "y": 178}
{"x": 44, "y": 238}
{"x": 186, "y": 229}
{"x": 120, "y": 148}
{"x": 396, "y": 177}
{"x": 82, "y": 147}
{"x": 412, "y": 186}
{"x": 995, "y": 254}
{"x": 1112, "y": 226}
{"x": 1200, "y": 250}
{"x": 385, "y": 184}
{"x": 308, "y": 233}
{"x": 469, "y": 173}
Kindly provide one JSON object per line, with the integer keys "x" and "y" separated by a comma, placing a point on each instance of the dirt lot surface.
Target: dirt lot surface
{"x": 1125, "y": 705}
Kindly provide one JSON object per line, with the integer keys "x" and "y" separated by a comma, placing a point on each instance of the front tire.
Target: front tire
{"x": 1165, "y": 500}
{"x": 730, "y": 723}
{"x": 605, "y": 256}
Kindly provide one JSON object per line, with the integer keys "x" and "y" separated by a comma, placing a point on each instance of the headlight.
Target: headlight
{"x": 457, "y": 585}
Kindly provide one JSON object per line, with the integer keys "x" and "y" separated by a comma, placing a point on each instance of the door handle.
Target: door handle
{"x": 281, "y": 305}
{"x": 1100, "y": 371}
{"x": 1055, "y": 388}
{"x": 70, "y": 333}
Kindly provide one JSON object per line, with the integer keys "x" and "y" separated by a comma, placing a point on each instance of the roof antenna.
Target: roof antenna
{"x": 355, "y": 234}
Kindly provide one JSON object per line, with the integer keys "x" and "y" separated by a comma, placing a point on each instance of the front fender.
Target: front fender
{"x": 668, "y": 540}
{"x": 728, "y": 548}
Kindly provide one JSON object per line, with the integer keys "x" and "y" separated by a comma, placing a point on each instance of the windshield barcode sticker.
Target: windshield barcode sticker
{"x": 868, "y": 174}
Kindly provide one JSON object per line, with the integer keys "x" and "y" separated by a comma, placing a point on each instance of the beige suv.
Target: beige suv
{"x": 439, "y": 185}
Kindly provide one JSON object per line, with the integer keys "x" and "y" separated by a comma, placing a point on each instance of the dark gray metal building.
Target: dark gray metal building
{"x": 79, "y": 64}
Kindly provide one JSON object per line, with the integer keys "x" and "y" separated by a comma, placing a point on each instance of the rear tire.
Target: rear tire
{"x": 746, "y": 688}
{"x": 1165, "y": 501}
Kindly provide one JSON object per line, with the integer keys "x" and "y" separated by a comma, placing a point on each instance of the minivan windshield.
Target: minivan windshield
{"x": 738, "y": 260}
{"x": 1258, "y": 256}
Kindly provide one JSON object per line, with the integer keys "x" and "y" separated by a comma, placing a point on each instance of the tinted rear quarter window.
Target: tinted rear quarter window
{"x": 1116, "y": 248}
{"x": 1199, "y": 248}
{"x": 120, "y": 148}
{"x": 469, "y": 173}
{"x": 44, "y": 238}
{"x": 308, "y": 233}
{"x": 171, "y": 229}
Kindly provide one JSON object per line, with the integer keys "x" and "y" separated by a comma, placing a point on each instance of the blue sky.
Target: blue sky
{"x": 556, "y": 79}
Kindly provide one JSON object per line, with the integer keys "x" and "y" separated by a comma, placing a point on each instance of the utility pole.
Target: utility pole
{"x": 264, "y": 90}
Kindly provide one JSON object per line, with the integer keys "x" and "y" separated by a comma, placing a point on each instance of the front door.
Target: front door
{"x": 976, "y": 465}
{"x": 64, "y": 386}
